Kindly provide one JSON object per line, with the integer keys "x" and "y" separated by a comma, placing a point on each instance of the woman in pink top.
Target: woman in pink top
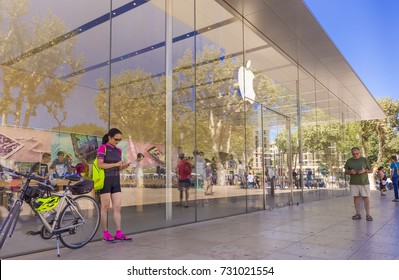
{"x": 110, "y": 159}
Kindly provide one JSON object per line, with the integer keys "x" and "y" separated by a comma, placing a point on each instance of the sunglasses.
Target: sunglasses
{"x": 117, "y": 139}
{"x": 355, "y": 154}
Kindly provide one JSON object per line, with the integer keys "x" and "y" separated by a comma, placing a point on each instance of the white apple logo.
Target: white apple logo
{"x": 245, "y": 82}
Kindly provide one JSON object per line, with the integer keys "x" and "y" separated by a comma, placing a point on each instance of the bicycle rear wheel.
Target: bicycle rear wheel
{"x": 10, "y": 220}
{"x": 82, "y": 217}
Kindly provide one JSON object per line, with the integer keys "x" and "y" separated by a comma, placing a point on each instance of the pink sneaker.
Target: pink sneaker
{"x": 120, "y": 236}
{"x": 108, "y": 237}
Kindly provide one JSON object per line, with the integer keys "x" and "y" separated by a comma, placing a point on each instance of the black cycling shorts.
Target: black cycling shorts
{"x": 112, "y": 184}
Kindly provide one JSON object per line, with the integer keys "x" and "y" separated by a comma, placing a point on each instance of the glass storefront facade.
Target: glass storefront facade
{"x": 181, "y": 76}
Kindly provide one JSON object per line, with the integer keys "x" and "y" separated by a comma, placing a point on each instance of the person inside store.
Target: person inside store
{"x": 110, "y": 159}
{"x": 358, "y": 168}
{"x": 158, "y": 171}
{"x": 65, "y": 161}
{"x": 40, "y": 169}
{"x": 82, "y": 168}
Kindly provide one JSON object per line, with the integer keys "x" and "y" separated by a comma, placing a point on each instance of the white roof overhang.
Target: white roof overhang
{"x": 290, "y": 27}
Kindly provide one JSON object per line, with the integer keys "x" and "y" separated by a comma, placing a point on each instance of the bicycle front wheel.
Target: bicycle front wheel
{"x": 80, "y": 219}
{"x": 9, "y": 222}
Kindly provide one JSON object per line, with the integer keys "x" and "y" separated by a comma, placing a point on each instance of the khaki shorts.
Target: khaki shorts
{"x": 360, "y": 190}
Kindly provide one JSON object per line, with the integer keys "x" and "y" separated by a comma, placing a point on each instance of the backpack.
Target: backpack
{"x": 187, "y": 169}
{"x": 98, "y": 175}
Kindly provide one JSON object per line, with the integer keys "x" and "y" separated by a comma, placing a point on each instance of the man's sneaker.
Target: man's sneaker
{"x": 120, "y": 236}
{"x": 108, "y": 237}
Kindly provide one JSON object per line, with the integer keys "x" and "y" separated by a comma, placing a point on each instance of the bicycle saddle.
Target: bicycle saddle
{"x": 73, "y": 177}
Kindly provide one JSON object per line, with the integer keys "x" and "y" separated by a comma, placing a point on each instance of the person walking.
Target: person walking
{"x": 110, "y": 159}
{"x": 395, "y": 177}
{"x": 295, "y": 178}
{"x": 200, "y": 166}
{"x": 383, "y": 180}
{"x": 241, "y": 174}
{"x": 139, "y": 174}
{"x": 358, "y": 168}
{"x": 138, "y": 167}
{"x": 250, "y": 180}
{"x": 208, "y": 179}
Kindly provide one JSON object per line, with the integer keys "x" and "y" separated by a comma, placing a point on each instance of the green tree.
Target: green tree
{"x": 137, "y": 105}
{"x": 282, "y": 145}
{"x": 32, "y": 61}
{"x": 379, "y": 137}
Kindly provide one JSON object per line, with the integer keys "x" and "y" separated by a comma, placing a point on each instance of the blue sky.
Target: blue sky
{"x": 366, "y": 32}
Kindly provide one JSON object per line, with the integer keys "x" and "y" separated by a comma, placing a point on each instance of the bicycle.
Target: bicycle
{"x": 74, "y": 224}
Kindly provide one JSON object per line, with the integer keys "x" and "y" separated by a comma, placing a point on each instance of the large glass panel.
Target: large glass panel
{"x": 184, "y": 107}
{"x": 322, "y": 129}
{"x": 276, "y": 159}
{"x": 137, "y": 99}
{"x": 272, "y": 84}
{"x": 220, "y": 111}
{"x": 52, "y": 56}
{"x": 254, "y": 151}
{"x": 342, "y": 138}
{"x": 139, "y": 88}
{"x": 314, "y": 99}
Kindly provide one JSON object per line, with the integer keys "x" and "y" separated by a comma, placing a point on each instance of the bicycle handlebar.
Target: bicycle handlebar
{"x": 47, "y": 187}
{"x": 46, "y": 184}
{"x": 16, "y": 173}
